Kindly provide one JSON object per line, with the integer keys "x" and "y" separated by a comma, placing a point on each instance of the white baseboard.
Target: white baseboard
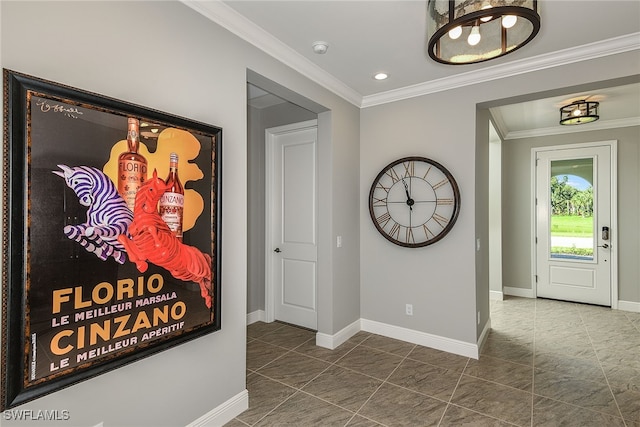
{"x": 629, "y": 306}
{"x": 256, "y": 316}
{"x": 483, "y": 335}
{"x": 518, "y": 292}
{"x": 422, "y": 338}
{"x": 496, "y": 295}
{"x": 333, "y": 341}
{"x": 225, "y": 412}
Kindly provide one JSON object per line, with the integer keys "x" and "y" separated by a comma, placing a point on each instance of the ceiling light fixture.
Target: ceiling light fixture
{"x": 381, "y": 76}
{"x": 489, "y": 28}
{"x": 579, "y": 112}
{"x": 320, "y": 47}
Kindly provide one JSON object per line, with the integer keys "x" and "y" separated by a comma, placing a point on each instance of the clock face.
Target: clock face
{"x": 414, "y": 202}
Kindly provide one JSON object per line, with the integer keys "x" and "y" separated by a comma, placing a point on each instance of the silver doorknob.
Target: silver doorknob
{"x": 277, "y": 250}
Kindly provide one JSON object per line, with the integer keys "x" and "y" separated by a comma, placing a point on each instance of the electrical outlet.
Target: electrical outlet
{"x": 339, "y": 241}
{"x": 409, "y": 310}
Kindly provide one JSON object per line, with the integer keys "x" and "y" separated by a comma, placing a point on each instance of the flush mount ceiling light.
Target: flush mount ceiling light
{"x": 470, "y": 31}
{"x": 381, "y": 76}
{"x": 579, "y": 112}
{"x": 320, "y": 47}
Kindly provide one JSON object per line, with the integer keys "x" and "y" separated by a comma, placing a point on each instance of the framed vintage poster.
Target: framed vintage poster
{"x": 111, "y": 234}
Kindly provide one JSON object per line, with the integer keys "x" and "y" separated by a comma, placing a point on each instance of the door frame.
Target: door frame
{"x": 270, "y": 135}
{"x": 613, "y": 146}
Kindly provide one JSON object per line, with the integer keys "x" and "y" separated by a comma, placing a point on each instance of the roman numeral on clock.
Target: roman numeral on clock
{"x": 410, "y": 238}
{"x": 379, "y": 202}
{"x": 383, "y": 219}
{"x": 395, "y": 231}
{"x": 440, "y": 184}
{"x": 391, "y": 173}
{"x": 409, "y": 169}
{"x": 442, "y": 221}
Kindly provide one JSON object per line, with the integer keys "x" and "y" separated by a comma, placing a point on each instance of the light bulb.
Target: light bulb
{"x": 509, "y": 21}
{"x": 486, "y": 18}
{"x": 577, "y": 112}
{"x": 455, "y": 32}
{"x": 474, "y": 37}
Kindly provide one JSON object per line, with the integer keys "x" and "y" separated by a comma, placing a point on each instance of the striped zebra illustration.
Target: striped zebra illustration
{"x": 107, "y": 216}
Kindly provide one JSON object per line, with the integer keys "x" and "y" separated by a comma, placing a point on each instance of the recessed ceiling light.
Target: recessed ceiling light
{"x": 381, "y": 76}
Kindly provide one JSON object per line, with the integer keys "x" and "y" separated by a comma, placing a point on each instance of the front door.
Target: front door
{"x": 573, "y": 223}
{"x": 291, "y": 224}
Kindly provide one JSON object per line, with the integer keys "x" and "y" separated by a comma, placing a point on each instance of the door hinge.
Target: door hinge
{"x": 536, "y": 240}
{"x": 536, "y": 278}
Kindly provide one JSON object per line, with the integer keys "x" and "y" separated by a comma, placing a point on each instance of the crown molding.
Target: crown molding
{"x": 228, "y": 18}
{"x": 562, "y": 130}
{"x": 499, "y": 123}
{"x": 242, "y": 27}
{"x": 585, "y": 52}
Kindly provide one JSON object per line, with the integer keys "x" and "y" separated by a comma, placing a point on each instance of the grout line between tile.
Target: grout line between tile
{"x": 603, "y": 371}
{"x": 382, "y": 383}
{"x": 453, "y": 392}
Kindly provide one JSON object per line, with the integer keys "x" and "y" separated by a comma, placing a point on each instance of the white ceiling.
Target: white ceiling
{"x": 369, "y": 36}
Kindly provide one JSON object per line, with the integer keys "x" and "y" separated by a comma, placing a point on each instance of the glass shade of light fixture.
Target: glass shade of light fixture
{"x": 495, "y": 27}
{"x": 579, "y": 112}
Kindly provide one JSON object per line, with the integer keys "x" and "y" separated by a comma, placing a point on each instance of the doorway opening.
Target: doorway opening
{"x": 271, "y": 105}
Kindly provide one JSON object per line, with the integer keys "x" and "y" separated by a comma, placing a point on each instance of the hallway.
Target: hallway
{"x": 545, "y": 363}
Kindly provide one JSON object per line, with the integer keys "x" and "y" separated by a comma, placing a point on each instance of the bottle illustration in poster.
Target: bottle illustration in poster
{"x": 132, "y": 166}
{"x": 169, "y": 140}
{"x": 107, "y": 216}
{"x": 171, "y": 206}
{"x": 151, "y": 240}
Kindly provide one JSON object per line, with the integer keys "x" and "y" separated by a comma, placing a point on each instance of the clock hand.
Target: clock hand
{"x": 410, "y": 201}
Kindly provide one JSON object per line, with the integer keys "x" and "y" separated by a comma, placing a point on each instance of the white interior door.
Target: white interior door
{"x": 292, "y": 216}
{"x": 574, "y": 224}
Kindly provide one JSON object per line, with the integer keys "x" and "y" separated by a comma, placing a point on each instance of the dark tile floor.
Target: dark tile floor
{"x": 545, "y": 363}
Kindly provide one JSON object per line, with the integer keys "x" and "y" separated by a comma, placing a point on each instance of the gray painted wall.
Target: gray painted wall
{"x": 258, "y": 120}
{"x": 482, "y": 218}
{"x": 442, "y": 280}
{"x": 516, "y": 228}
{"x": 166, "y": 56}
{"x": 495, "y": 212}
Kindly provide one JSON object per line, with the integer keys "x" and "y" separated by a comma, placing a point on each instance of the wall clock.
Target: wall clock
{"x": 414, "y": 202}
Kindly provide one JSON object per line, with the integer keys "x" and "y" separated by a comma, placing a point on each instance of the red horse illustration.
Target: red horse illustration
{"x": 151, "y": 240}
